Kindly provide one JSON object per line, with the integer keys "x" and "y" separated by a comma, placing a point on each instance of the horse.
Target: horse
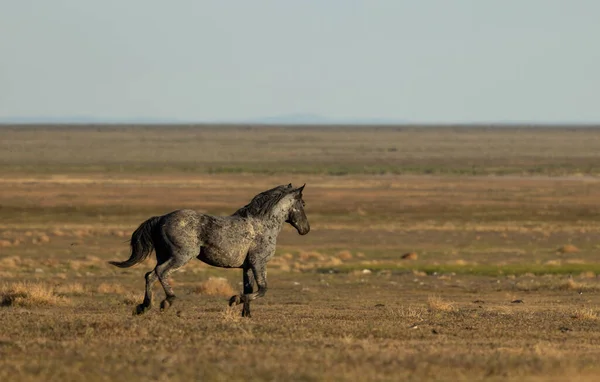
{"x": 245, "y": 239}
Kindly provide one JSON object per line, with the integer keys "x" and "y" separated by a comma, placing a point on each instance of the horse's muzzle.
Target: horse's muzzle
{"x": 304, "y": 230}
{"x": 303, "y": 227}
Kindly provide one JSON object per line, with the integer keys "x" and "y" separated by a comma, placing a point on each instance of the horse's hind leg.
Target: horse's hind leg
{"x": 151, "y": 278}
{"x": 164, "y": 271}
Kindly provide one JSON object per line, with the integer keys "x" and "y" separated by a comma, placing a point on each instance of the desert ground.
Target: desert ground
{"x": 462, "y": 253}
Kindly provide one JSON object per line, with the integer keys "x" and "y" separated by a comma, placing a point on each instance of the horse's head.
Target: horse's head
{"x": 296, "y": 215}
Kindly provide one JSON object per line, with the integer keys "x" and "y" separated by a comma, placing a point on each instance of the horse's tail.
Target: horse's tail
{"x": 141, "y": 244}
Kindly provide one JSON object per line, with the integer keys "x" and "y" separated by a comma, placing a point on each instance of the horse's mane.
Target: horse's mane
{"x": 264, "y": 202}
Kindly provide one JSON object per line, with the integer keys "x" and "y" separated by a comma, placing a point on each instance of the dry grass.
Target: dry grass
{"x": 531, "y": 283}
{"x": 409, "y": 256}
{"x": 309, "y": 260}
{"x": 42, "y": 239}
{"x": 215, "y": 286}
{"x": 585, "y": 314}
{"x": 437, "y": 304}
{"x": 86, "y": 262}
{"x": 580, "y": 286}
{"x": 30, "y": 294}
{"x": 10, "y": 262}
{"x": 498, "y": 310}
{"x": 70, "y": 289}
{"x": 344, "y": 255}
{"x": 346, "y": 331}
{"x": 131, "y": 298}
{"x": 111, "y": 288}
{"x": 587, "y": 275}
{"x": 411, "y": 313}
{"x": 309, "y": 150}
{"x": 231, "y": 314}
{"x": 390, "y": 320}
{"x": 57, "y": 233}
{"x": 568, "y": 248}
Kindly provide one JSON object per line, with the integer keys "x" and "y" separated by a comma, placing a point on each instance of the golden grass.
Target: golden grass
{"x": 411, "y": 313}
{"x": 16, "y": 262}
{"x": 42, "y": 239}
{"x": 344, "y": 255}
{"x": 130, "y": 298}
{"x": 231, "y": 314}
{"x": 587, "y": 275}
{"x": 390, "y": 325}
{"x": 586, "y": 314}
{"x": 121, "y": 233}
{"x": 310, "y": 150}
{"x": 72, "y": 289}
{"x": 311, "y": 256}
{"x": 348, "y": 327}
{"x": 309, "y": 260}
{"x": 57, "y": 233}
{"x": 281, "y": 263}
{"x": 29, "y": 294}
{"x": 568, "y": 248}
{"x": 580, "y": 286}
{"x": 215, "y": 286}
{"x": 437, "y": 304}
{"x": 10, "y": 262}
{"x": 499, "y": 310}
{"x": 85, "y": 262}
{"x": 111, "y": 288}
{"x": 409, "y": 256}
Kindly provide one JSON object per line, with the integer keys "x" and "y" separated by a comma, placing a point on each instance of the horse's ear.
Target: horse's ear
{"x": 300, "y": 189}
{"x": 289, "y": 185}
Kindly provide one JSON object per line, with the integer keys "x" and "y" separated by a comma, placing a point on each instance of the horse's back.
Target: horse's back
{"x": 189, "y": 227}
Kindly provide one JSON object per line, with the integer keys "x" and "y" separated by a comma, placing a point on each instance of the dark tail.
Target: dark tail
{"x": 141, "y": 244}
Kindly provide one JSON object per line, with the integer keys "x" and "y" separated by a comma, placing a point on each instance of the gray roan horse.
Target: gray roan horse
{"x": 244, "y": 240}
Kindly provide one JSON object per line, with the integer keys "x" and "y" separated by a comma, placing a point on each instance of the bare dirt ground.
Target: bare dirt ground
{"x": 403, "y": 276}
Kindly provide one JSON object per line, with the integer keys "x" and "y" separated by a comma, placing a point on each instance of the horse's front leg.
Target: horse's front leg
{"x": 253, "y": 273}
{"x": 248, "y": 286}
{"x": 248, "y": 289}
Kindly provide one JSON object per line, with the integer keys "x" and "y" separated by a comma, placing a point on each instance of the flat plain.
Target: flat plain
{"x": 436, "y": 253}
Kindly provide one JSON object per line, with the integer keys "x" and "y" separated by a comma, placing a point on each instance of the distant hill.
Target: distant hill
{"x": 315, "y": 119}
{"x": 285, "y": 119}
{"x": 84, "y": 120}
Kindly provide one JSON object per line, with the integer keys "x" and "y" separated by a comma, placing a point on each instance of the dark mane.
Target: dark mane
{"x": 264, "y": 202}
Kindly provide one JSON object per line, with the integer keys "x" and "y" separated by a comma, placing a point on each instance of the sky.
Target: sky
{"x": 418, "y": 61}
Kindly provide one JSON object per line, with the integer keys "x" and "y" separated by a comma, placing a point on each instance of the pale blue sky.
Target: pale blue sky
{"x": 418, "y": 61}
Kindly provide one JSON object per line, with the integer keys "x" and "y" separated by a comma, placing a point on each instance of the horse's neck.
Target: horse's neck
{"x": 274, "y": 222}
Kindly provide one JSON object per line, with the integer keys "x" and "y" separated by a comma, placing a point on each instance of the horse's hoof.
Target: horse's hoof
{"x": 140, "y": 309}
{"x": 246, "y": 309}
{"x": 235, "y": 300}
{"x": 164, "y": 305}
